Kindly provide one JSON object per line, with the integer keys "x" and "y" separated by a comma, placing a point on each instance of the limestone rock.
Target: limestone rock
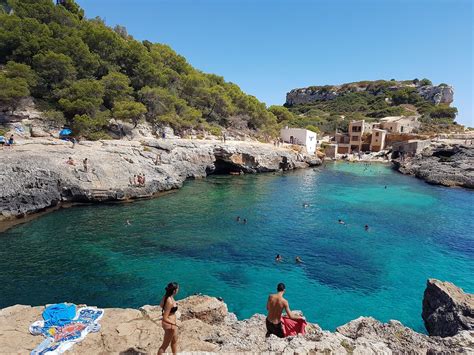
{"x": 441, "y": 94}
{"x": 448, "y": 165}
{"x": 207, "y": 309}
{"x": 447, "y": 309}
{"x": 35, "y": 175}
{"x": 206, "y": 326}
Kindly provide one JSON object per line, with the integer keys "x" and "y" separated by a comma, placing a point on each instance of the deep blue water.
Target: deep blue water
{"x": 89, "y": 254}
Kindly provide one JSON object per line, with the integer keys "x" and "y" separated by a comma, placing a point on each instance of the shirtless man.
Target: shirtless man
{"x": 275, "y": 306}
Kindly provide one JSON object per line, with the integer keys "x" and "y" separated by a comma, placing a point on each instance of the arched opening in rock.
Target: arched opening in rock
{"x": 222, "y": 167}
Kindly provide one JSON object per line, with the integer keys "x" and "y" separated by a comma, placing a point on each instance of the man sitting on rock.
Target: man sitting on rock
{"x": 275, "y": 306}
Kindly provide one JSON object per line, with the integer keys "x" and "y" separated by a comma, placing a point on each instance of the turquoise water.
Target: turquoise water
{"x": 89, "y": 254}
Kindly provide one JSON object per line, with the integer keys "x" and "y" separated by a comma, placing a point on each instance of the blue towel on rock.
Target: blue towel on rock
{"x": 59, "y": 314}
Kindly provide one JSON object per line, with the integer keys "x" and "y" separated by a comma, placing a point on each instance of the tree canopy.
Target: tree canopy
{"x": 86, "y": 72}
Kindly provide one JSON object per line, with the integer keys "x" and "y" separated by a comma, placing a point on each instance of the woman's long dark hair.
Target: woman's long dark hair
{"x": 170, "y": 288}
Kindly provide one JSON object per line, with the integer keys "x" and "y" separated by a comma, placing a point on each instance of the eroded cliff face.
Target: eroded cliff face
{"x": 205, "y": 325}
{"x": 440, "y": 94}
{"x": 35, "y": 175}
{"x": 441, "y": 164}
{"x": 447, "y": 309}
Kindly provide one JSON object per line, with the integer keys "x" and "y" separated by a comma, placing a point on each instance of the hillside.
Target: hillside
{"x": 326, "y": 108}
{"x": 82, "y": 73}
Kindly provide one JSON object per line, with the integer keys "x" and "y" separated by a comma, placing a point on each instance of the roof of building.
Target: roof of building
{"x": 296, "y": 129}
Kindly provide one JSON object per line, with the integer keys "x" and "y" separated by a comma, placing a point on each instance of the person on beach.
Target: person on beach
{"x": 168, "y": 322}
{"x": 10, "y": 141}
{"x": 275, "y": 306}
{"x": 85, "y": 162}
{"x": 143, "y": 180}
{"x": 70, "y": 161}
{"x": 278, "y": 258}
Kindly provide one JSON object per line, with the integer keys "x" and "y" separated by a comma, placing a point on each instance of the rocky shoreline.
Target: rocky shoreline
{"x": 441, "y": 164}
{"x": 207, "y": 326}
{"x": 35, "y": 175}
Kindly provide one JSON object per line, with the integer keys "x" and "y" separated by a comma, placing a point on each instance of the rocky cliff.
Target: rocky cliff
{"x": 35, "y": 175}
{"x": 441, "y": 164}
{"x": 205, "y": 325}
{"x": 440, "y": 94}
{"x": 447, "y": 310}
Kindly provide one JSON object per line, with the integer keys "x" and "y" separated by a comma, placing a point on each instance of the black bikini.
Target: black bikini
{"x": 172, "y": 310}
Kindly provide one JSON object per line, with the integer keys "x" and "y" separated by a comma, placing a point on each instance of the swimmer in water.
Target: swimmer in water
{"x": 341, "y": 221}
{"x": 305, "y": 205}
{"x": 238, "y": 219}
{"x": 128, "y": 223}
{"x": 366, "y": 227}
{"x": 278, "y": 258}
{"x": 245, "y": 221}
{"x": 298, "y": 260}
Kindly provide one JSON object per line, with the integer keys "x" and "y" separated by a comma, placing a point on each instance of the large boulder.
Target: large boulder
{"x": 447, "y": 309}
{"x": 207, "y": 309}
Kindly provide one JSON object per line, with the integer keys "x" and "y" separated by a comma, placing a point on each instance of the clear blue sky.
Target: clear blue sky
{"x": 269, "y": 47}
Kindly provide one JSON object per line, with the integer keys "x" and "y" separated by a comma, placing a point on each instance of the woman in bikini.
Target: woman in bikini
{"x": 168, "y": 309}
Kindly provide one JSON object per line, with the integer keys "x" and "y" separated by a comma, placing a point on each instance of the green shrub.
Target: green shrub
{"x": 98, "y": 135}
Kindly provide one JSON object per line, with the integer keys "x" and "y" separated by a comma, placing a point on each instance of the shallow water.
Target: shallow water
{"x": 89, "y": 254}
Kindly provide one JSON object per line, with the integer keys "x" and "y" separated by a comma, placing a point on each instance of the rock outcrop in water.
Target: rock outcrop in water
{"x": 35, "y": 175}
{"x": 207, "y": 326}
{"x": 447, "y": 310}
{"x": 441, "y": 164}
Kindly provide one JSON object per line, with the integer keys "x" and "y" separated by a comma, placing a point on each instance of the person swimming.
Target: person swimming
{"x": 278, "y": 258}
{"x": 238, "y": 219}
{"x": 298, "y": 260}
{"x": 305, "y": 205}
{"x": 128, "y": 223}
{"x": 245, "y": 221}
{"x": 341, "y": 221}
{"x": 366, "y": 227}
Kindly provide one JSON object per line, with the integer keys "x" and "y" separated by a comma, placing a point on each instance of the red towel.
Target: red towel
{"x": 293, "y": 327}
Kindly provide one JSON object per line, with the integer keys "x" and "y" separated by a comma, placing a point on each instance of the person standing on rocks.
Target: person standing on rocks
{"x": 85, "y": 162}
{"x": 275, "y": 306}
{"x": 168, "y": 309}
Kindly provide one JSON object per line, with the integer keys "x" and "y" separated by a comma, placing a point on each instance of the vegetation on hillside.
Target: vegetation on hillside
{"x": 369, "y": 100}
{"x": 82, "y": 73}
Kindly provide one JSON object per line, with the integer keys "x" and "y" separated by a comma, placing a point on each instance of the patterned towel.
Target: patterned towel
{"x": 61, "y": 337}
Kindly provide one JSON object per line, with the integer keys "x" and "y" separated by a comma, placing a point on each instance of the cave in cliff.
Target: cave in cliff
{"x": 222, "y": 167}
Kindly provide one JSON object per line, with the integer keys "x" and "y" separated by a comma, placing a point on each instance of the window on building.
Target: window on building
{"x": 376, "y": 134}
{"x": 356, "y": 129}
{"x": 355, "y": 138}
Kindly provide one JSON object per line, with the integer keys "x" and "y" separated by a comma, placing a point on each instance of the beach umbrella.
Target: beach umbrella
{"x": 65, "y": 132}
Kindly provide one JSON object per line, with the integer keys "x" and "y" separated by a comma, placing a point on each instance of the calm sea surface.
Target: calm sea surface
{"x": 89, "y": 254}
